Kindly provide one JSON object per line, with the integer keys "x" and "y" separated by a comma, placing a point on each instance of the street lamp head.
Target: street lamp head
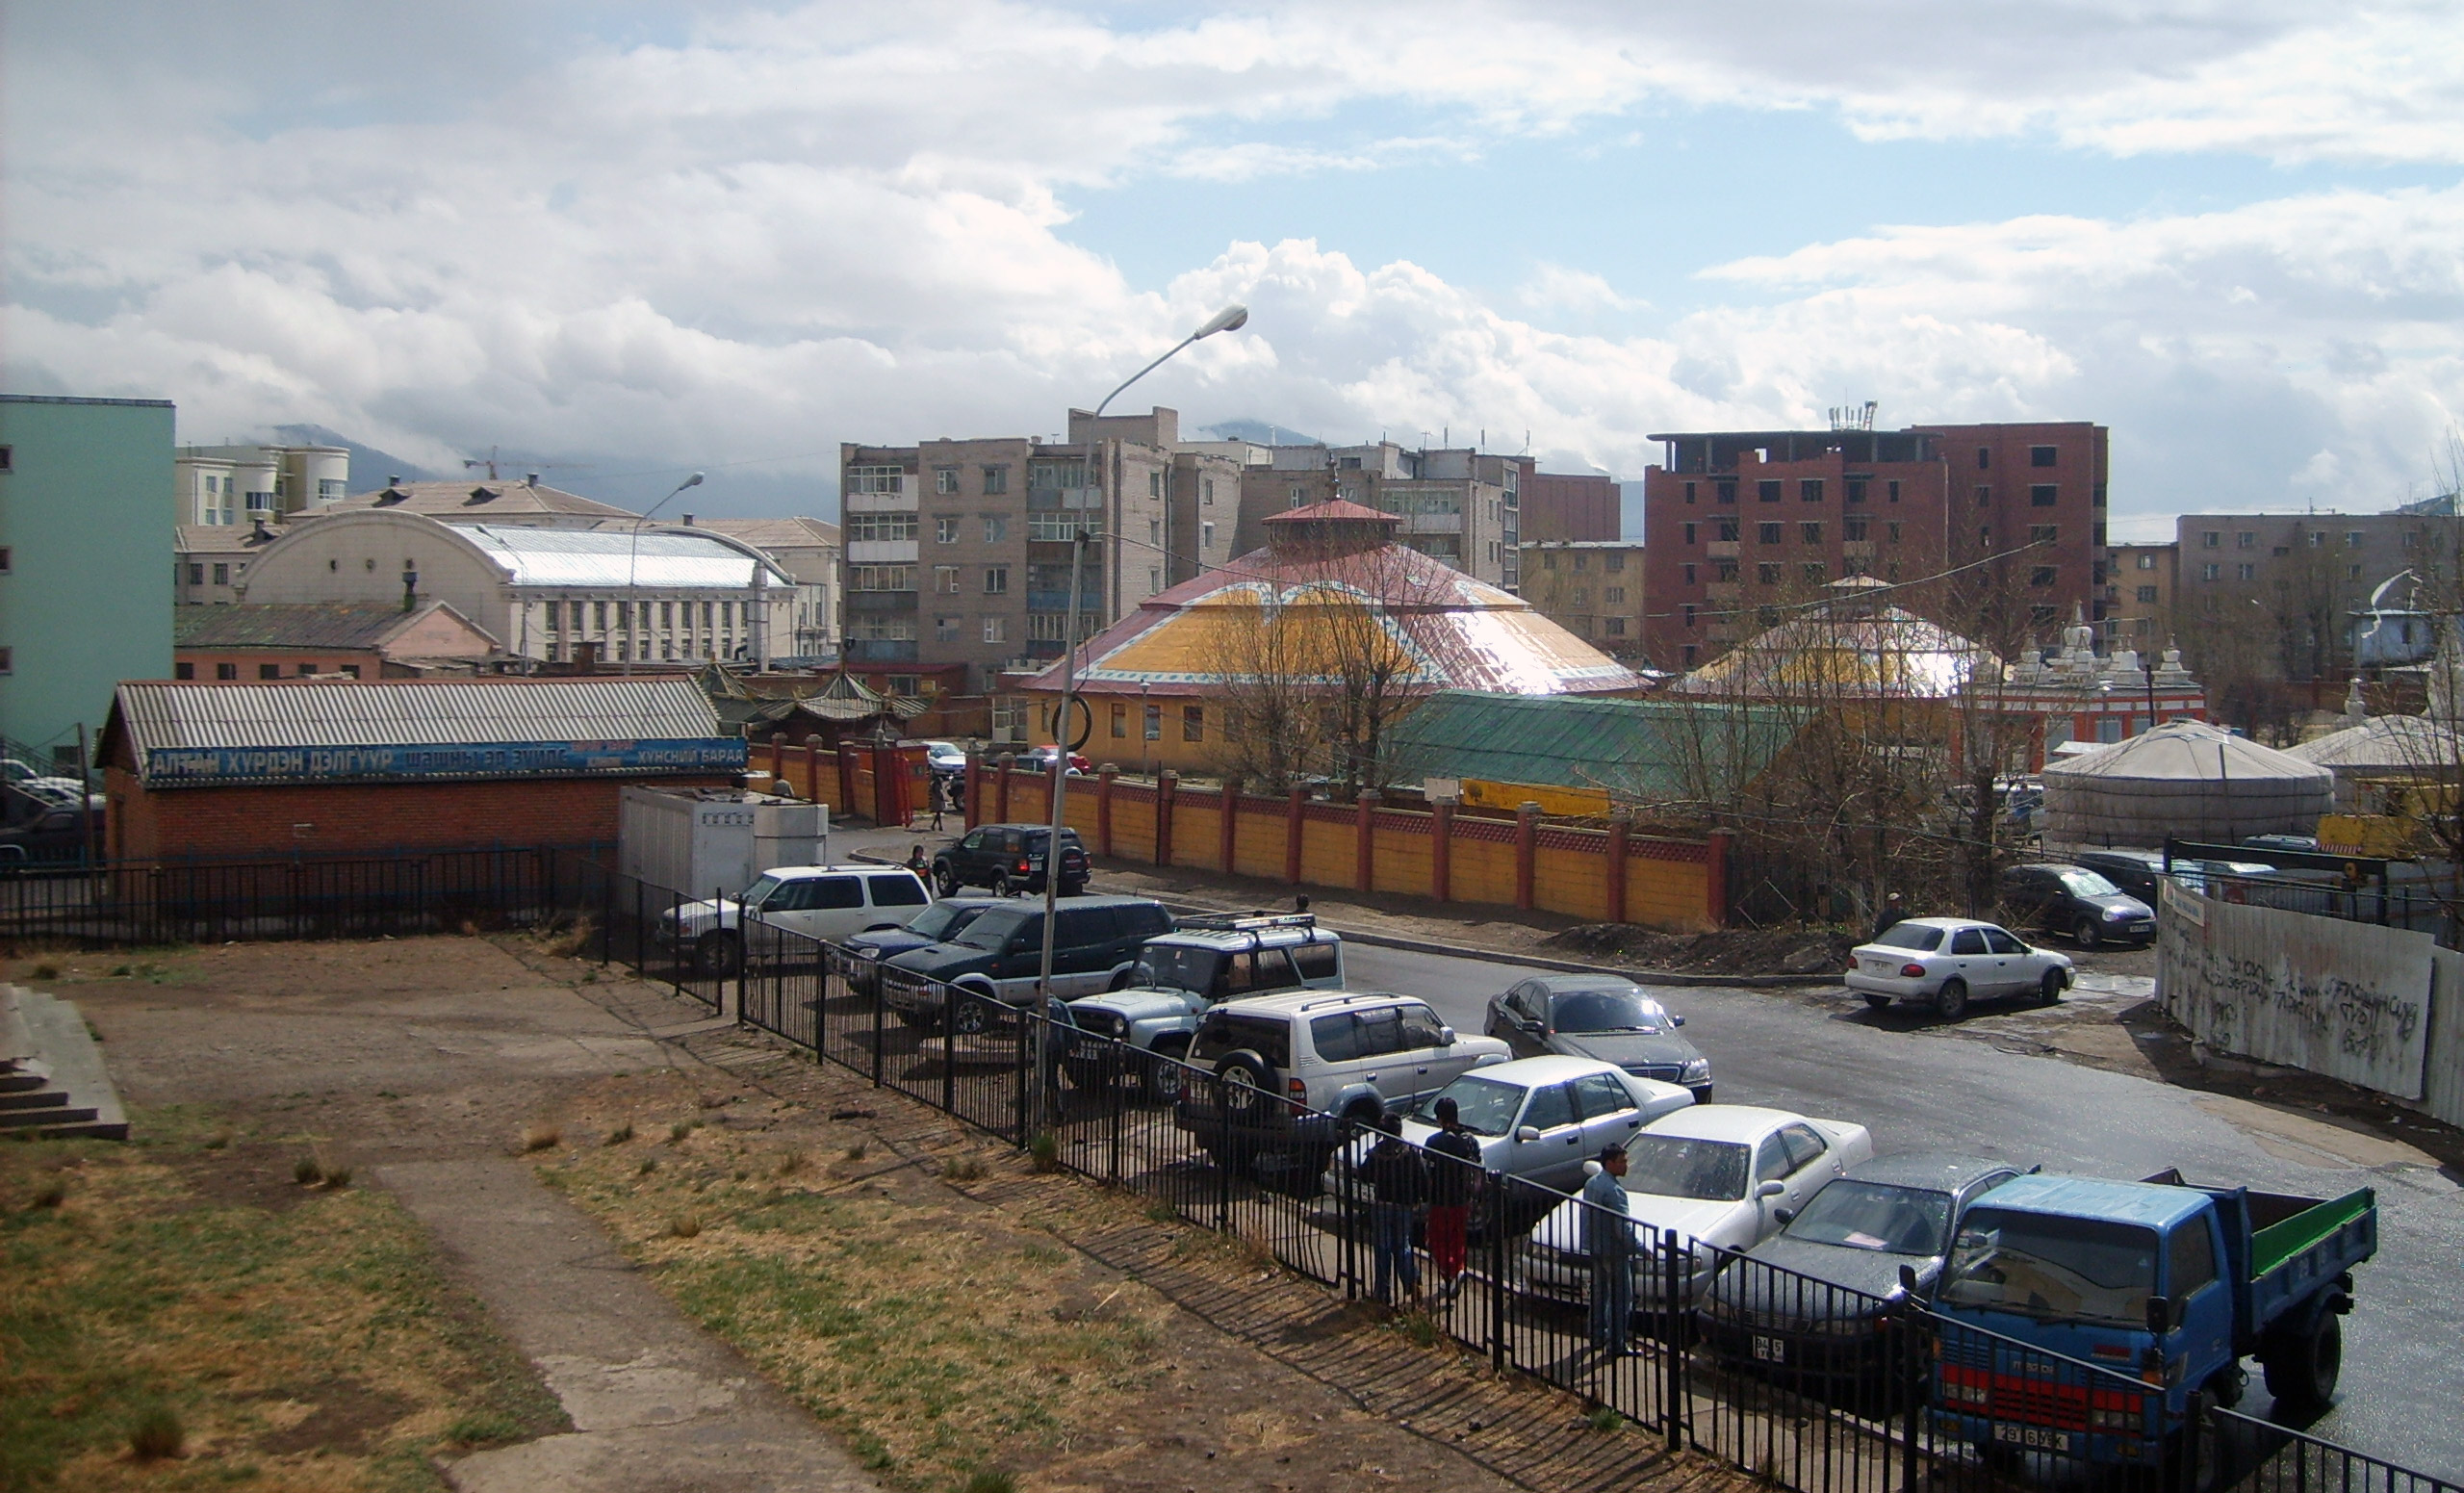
{"x": 1231, "y": 319}
{"x": 695, "y": 481}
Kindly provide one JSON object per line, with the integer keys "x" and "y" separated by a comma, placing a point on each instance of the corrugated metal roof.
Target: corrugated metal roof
{"x": 160, "y": 717}
{"x": 1634, "y": 749}
{"x": 311, "y": 624}
{"x": 605, "y": 558}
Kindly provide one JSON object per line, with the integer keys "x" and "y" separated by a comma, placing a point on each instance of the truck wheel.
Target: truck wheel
{"x": 1950, "y": 1002}
{"x": 1163, "y": 1082}
{"x": 2199, "y": 1442}
{"x": 719, "y": 953}
{"x": 1248, "y": 1082}
{"x": 2049, "y": 989}
{"x": 2302, "y": 1368}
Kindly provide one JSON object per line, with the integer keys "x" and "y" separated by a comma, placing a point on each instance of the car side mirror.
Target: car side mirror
{"x": 1908, "y": 1281}
{"x": 1676, "y": 1021}
{"x": 1526, "y": 1134}
{"x": 2160, "y": 1315}
{"x": 1771, "y": 1189}
{"x": 1446, "y": 1037}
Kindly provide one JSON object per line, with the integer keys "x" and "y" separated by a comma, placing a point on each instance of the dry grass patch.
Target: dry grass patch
{"x": 155, "y": 1333}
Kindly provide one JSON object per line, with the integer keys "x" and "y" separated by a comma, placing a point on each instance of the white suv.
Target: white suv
{"x": 827, "y": 902}
{"x": 1286, "y": 1064}
{"x": 1202, "y": 963}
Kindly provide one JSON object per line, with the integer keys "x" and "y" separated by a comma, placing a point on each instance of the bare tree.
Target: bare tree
{"x": 1270, "y": 690}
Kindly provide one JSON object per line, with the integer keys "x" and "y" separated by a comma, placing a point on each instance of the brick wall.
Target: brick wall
{"x": 225, "y": 823}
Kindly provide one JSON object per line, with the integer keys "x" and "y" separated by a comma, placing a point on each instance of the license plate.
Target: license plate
{"x": 2142, "y": 927}
{"x": 2034, "y": 1437}
{"x": 1877, "y": 966}
{"x": 1770, "y": 1350}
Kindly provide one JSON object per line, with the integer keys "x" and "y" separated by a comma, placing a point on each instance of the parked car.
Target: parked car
{"x": 1039, "y": 760}
{"x": 944, "y": 757}
{"x": 1182, "y": 974}
{"x": 2138, "y": 872}
{"x": 2075, "y": 900}
{"x": 1597, "y": 1016}
{"x": 1950, "y": 961}
{"x": 1009, "y": 858}
{"x": 1725, "y": 1175}
{"x": 2304, "y": 843}
{"x": 938, "y": 923}
{"x": 826, "y": 901}
{"x": 1854, "y": 1235}
{"x": 999, "y": 957}
{"x": 56, "y": 835}
{"x": 1285, "y": 1064}
{"x": 1537, "y": 1119}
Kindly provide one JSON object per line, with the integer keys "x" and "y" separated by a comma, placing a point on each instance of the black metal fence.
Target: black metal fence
{"x": 1813, "y": 1386}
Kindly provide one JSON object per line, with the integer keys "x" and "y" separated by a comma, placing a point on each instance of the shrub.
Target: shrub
{"x": 337, "y": 1178}
{"x": 307, "y": 1171}
{"x": 990, "y": 1482}
{"x": 1604, "y": 1418}
{"x": 649, "y": 1163}
{"x": 961, "y": 1168}
{"x": 52, "y": 1193}
{"x": 157, "y": 1433}
{"x": 1044, "y": 1151}
{"x": 677, "y": 1131}
{"x": 684, "y": 1226}
{"x": 219, "y": 1139}
{"x": 621, "y": 1134}
{"x": 791, "y": 1162}
{"x": 855, "y": 1152}
{"x": 481, "y": 1428}
{"x": 542, "y": 1138}
{"x": 46, "y": 971}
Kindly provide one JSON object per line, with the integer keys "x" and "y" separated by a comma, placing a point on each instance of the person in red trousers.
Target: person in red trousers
{"x": 1451, "y": 1182}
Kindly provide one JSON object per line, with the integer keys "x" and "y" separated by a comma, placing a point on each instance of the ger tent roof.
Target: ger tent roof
{"x": 1647, "y": 750}
{"x": 1845, "y": 649}
{"x": 2185, "y": 780}
{"x": 2401, "y": 744}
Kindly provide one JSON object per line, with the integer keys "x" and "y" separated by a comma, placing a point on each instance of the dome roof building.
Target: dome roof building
{"x": 2185, "y": 780}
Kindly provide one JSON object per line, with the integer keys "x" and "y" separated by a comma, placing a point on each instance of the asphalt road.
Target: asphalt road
{"x": 1921, "y": 1087}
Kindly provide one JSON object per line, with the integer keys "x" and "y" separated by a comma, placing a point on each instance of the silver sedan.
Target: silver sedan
{"x": 1536, "y": 1118}
{"x": 1948, "y": 962}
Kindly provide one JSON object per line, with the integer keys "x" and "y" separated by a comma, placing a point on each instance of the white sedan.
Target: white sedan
{"x": 1951, "y": 961}
{"x": 1536, "y": 1118}
{"x": 1724, "y": 1176}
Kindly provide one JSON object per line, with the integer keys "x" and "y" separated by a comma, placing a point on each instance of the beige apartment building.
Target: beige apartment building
{"x": 1592, "y": 588}
{"x": 230, "y": 486}
{"x": 810, "y": 551}
{"x": 1458, "y": 504}
{"x": 959, "y": 552}
{"x": 2140, "y": 582}
{"x": 2280, "y": 591}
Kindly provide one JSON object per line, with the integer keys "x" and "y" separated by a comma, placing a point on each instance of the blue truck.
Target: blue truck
{"x": 2164, "y": 1285}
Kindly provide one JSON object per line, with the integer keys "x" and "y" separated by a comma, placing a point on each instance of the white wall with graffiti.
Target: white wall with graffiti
{"x": 2379, "y": 1007}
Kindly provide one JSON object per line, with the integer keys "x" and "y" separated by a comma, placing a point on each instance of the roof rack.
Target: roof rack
{"x": 1235, "y": 921}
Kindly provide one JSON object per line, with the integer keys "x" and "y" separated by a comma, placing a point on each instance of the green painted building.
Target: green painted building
{"x": 86, "y": 535}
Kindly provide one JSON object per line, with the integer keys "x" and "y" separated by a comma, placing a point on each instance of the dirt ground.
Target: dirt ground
{"x": 939, "y": 1306}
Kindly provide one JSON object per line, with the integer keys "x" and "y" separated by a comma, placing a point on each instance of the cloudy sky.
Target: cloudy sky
{"x": 648, "y": 238}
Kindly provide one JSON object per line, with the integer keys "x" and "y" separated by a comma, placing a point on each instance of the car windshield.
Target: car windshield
{"x": 759, "y": 892}
{"x": 1875, "y": 1216}
{"x": 1672, "y": 1166}
{"x": 1909, "y": 936}
{"x": 1605, "y": 1011}
{"x": 993, "y": 931}
{"x": 943, "y": 919}
{"x": 2087, "y": 883}
{"x": 1485, "y": 1106}
{"x": 2054, "y": 1268}
{"x": 1178, "y": 966}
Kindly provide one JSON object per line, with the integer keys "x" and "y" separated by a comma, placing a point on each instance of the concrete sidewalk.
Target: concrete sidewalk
{"x": 658, "y": 1404}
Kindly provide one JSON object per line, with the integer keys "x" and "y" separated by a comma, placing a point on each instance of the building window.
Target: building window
{"x": 946, "y": 630}
{"x": 869, "y": 527}
{"x": 1726, "y": 490}
{"x": 2042, "y": 495}
{"x": 2041, "y": 455}
{"x": 2210, "y": 572}
{"x": 996, "y": 630}
{"x": 1724, "y": 570}
{"x": 2147, "y": 596}
{"x": 2318, "y": 539}
{"x": 1689, "y": 495}
{"x": 1766, "y": 574}
{"x": 945, "y": 480}
{"x": 1689, "y": 534}
{"x": 2044, "y": 534}
{"x": 184, "y": 671}
{"x": 1810, "y": 534}
{"x": 1853, "y": 530}
{"x": 1548, "y": 559}
{"x": 1120, "y": 721}
{"x": 2353, "y": 539}
{"x": 1299, "y": 495}
{"x": 996, "y": 480}
{"x": 945, "y": 529}
{"x": 1855, "y": 486}
{"x": 1767, "y": 490}
{"x": 1615, "y": 596}
{"x": 196, "y": 574}
{"x": 1894, "y": 489}
{"x": 7, "y": 457}
{"x": 874, "y": 577}
{"x": 1206, "y": 536}
{"x": 269, "y": 671}
{"x": 1814, "y": 572}
{"x": 1153, "y": 722}
{"x": 1616, "y": 627}
{"x": 2246, "y": 540}
{"x": 2210, "y": 539}
{"x": 222, "y": 575}
{"x": 996, "y": 580}
{"x": 1984, "y": 495}
{"x": 1984, "y": 457}
{"x": 1582, "y": 561}
{"x": 945, "y": 580}
{"x": 1894, "y": 531}
{"x": 2246, "y": 572}
{"x": 2352, "y": 573}
{"x": 1614, "y": 562}
{"x": 2148, "y": 561}
{"x": 1810, "y": 489}
{"x": 229, "y": 671}
{"x": 1206, "y": 492}
{"x": 2096, "y": 496}
{"x": 997, "y": 528}
{"x": 1689, "y": 622}
{"x": 1767, "y": 533}
{"x": 1727, "y": 533}
{"x": 2041, "y": 575}
{"x": 874, "y": 480}
{"x": 1154, "y": 578}
{"x": 1154, "y": 484}
{"x": 1192, "y": 723}
{"x": 2413, "y": 539}
{"x": 1155, "y": 534}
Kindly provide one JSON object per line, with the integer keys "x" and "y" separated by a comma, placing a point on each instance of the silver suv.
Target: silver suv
{"x": 1182, "y": 974}
{"x": 1285, "y": 1066}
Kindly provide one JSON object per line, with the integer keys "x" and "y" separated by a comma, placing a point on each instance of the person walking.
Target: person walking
{"x": 1892, "y": 913}
{"x": 941, "y": 800}
{"x": 1454, "y": 1172}
{"x": 1399, "y": 1182}
{"x": 1609, "y": 1238}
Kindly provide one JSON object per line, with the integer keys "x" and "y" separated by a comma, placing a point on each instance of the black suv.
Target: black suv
{"x": 999, "y": 956}
{"x": 1009, "y": 858}
{"x": 2078, "y": 901}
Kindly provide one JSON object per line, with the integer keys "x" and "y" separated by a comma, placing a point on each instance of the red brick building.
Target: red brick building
{"x": 236, "y": 771}
{"x": 1738, "y": 524}
{"x": 1582, "y": 507}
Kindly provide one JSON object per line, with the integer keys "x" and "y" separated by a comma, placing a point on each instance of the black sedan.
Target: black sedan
{"x": 2080, "y": 902}
{"x": 1589, "y": 1015}
{"x": 1811, "y": 1305}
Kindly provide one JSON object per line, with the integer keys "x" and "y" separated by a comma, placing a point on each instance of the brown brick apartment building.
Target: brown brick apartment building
{"x": 1738, "y": 524}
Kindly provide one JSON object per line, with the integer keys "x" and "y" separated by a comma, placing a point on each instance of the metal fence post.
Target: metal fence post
{"x": 1907, "y": 1347}
{"x": 1116, "y": 1066}
{"x": 1501, "y": 1303}
{"x": 1349, "y": 1210}
{"x": 1673, "y": 1328}
{"x": 881, "y": 992}
{"x": 949, "y": 1049}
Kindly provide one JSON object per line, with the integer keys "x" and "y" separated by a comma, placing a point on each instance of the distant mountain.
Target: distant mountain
{"x": 369, "y": 466}
{"x": 1259, "y": 431}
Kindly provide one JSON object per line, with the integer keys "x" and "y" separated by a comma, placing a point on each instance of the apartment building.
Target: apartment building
{"x": 1458, "y": 504}
{"x": 959, "y": 552}
{"x": 1741, "y": 523}
{"x": 2291, "y": 583}
{"x": 86, "y": 521}
{"x": 1577, "y": 506}
{"x": 2140, "y": 580}
{"x": 1591, "y": 588}
{"x": 224, "y": 486}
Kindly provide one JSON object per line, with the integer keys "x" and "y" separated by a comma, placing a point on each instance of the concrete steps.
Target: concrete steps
{"x": 52, "y": 1081}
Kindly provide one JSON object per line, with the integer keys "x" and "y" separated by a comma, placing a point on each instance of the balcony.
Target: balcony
{"x": 881, "y": 551}
{"x": 881, "y": 601}
{"x": 879, "y": 650}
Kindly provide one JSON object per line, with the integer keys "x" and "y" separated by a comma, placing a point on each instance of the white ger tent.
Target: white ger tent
{"x": 2185, "y": 780}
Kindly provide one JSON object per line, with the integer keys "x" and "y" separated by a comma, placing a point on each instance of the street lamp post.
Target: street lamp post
{"x": 632, "y": 562}
{"x": 1230, "y": 319}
